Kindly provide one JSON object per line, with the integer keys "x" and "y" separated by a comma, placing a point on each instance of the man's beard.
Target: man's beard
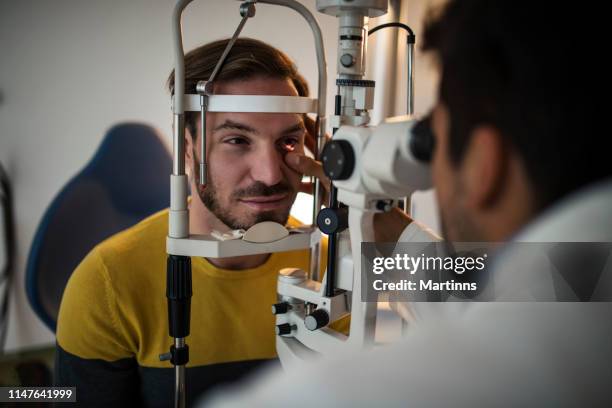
{"x": 209, "y": 197}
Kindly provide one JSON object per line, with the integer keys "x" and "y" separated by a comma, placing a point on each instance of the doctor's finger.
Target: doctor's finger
{"x": 308, "y": 167}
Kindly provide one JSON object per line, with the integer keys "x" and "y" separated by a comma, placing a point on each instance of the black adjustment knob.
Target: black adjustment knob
{"x": 332, "y": 220}
{"x": 384, "y": 205}
{"x": 283, "y": 329}
{"x": 280, "y": 308}
{"x": 317, "y": 319}
{"x": 180, "y": 356}
{"x": 338, "y": 159}
{"x": 347, "y": 60}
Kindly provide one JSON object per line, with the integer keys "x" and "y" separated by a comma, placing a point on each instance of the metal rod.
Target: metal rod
{"x": 332, "y": 249}
{"x": 315, "y": 251}
{"x": 410, "y": 98}
{"x": 332, "y": 241}
{"x": 203, "y": 110}
{"x": 203, "y": 99}
{"x": 410, "y": 55}
{"x": 178, "y": 145}
{"x": 179, "y": 377}
{"x": 410, "y": 91}
{"x": 228, "y": 48}
{"x": 317, "y": 186}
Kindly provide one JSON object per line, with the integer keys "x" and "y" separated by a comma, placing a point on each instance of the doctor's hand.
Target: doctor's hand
{"x": 309, "y": 167}
{"x": 388, "y": 226}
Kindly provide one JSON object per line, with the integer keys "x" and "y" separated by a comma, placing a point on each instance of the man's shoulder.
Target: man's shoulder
{"x": 135, "y": 249}
{"x": 142, "y": 239}
{"x": 113, "y": 273}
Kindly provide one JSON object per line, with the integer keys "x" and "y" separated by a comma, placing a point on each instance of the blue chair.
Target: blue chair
{"x": 126, "y": 180}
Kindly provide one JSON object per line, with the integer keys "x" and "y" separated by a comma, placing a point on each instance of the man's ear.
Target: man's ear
{"x": 188, "y": 148}
{"x": 483, "y": 167}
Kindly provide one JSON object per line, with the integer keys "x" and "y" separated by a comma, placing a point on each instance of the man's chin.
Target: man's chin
{"x": 274, "y": 216}
{"x": 247, "y": 220}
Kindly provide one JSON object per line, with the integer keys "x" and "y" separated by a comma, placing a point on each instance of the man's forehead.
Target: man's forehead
{"x": 257, "y": 86}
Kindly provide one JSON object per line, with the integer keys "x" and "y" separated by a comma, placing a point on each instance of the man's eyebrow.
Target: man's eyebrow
{"x": 228, "y": 124}
{"x": 295, "y": 128}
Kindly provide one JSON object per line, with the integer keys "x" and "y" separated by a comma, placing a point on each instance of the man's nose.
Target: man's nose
{"x": 267, "y": 166}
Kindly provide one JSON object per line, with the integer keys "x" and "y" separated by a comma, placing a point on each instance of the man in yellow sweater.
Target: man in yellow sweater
{"x": 112, "y": 323}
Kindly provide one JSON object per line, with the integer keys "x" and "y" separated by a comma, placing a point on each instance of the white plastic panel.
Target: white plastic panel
{"x": 209, "y": 247}
{"x": 253, "y": 104}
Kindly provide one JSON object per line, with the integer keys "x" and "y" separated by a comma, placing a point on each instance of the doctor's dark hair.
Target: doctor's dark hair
{"x": 248, "y": 59}
{"x": 514, "y": 65}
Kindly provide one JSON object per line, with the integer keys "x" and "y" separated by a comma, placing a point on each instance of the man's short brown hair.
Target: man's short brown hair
{"x": 247, "y": 59}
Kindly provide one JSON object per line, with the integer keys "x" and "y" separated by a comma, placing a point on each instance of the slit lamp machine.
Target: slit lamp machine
{"x": 371, "y": 168}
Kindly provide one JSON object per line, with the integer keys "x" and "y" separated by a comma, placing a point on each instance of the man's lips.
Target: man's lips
{"x": 265, "y": 202}
{"x": 265, "y": 199}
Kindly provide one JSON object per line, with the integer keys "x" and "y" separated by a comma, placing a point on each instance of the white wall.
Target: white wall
{"x": 71, "y": 69}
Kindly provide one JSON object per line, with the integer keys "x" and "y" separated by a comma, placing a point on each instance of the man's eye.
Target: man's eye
{"x": 290, "y": 143}
{"x": 237, "y": 141}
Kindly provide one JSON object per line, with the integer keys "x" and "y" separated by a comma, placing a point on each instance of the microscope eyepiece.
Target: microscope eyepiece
{"x": 422, "y": 142}
{"x": 338, "y": 159}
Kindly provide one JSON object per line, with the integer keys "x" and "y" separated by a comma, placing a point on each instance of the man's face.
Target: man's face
{"x": 455, "y": 218}
{"x": 248, "y": 180}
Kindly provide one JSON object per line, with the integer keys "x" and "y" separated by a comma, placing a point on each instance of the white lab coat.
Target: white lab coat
{"x": 476, "y": 354}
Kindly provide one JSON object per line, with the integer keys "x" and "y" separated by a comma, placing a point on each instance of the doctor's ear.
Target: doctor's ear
{"x": 483, "y": 169}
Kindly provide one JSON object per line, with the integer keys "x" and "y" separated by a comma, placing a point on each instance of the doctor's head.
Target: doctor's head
{"x": 248, "y": 180}
{"x": 515, "y": 124}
